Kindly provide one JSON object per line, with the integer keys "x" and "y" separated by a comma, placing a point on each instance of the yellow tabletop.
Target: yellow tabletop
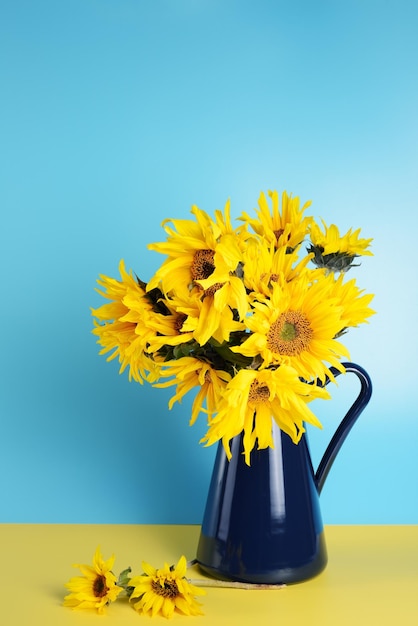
{"x": 371, "y": 577}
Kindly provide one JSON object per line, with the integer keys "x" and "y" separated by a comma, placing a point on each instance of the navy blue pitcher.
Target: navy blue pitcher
{"x": 262, "y": 523}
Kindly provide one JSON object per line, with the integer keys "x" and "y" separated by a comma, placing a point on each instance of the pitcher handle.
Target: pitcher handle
{"x": 346, "y": 424}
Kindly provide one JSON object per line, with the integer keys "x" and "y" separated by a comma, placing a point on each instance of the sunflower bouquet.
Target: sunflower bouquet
{"x": 249, "y": 316}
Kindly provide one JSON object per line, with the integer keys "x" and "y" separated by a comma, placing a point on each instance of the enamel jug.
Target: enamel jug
{"x": 262, "y": 523}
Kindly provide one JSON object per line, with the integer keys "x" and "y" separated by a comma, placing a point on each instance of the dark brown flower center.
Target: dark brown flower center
{"x": 290, "y": 334}
{"x": 210, "y": 291}
{"x": 203, "y": 264}
{"x": 278, "y": 233}
{"x": 165, "y": 588}
{"x": 259, "y": 392}
{"x": 202, "y": 267}
{"x": 179, "y": 321}
{"x": 100, "y": 588}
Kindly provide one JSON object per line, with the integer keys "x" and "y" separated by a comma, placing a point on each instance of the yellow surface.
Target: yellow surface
{"x": 371, "y": 577}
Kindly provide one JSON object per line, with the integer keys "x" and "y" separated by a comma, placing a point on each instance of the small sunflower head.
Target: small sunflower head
{"x": 96, "y": 588}
{"x": 164, "y": 591}
{"x": 335, "y": 252}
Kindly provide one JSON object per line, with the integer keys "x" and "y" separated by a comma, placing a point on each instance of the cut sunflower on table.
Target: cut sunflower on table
{"x": 96, "y": 588}
{"x": 164, "y": 591}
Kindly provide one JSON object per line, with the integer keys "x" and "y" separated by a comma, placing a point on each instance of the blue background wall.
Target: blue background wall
{"x": 116, "y": 114}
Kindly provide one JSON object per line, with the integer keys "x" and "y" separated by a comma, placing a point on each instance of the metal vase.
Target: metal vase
{"x": 262, "y": 523}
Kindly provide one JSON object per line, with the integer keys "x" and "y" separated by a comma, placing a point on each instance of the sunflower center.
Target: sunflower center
{"x": 259, "y": 392}
{"x": 203, "y": 264}
{"x": 279, "y": 233}
{"x": 290, "y": 334}
{"x": 100, "y": 588}
{"x": 165, "y": 588}
{"x": 179, "y": 321}
{"x": 210, "y": 291}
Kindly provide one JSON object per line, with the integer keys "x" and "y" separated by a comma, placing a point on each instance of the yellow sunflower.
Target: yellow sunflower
{"x": 207, "y": 254}
{"x": 191, "y": 318}
{"x": 96, "y": 588}
{"x": 190, "y": 248}
{"x": 296, "y": 326}
{"x": 331, "y": 240}
{"x": 160, "y": 329}
{"x": 264, "y": 263}
{"x": 285, "y": 226}
{"x": 354, "y": 302}
{"x": 122, "y": 325}
{"x": 253, "y": 398}
{"x": 337, "y": 252}
{"x": 224, "y": 283}
{"x": 188, "y": 373}
{"x": 165, "y": 591}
